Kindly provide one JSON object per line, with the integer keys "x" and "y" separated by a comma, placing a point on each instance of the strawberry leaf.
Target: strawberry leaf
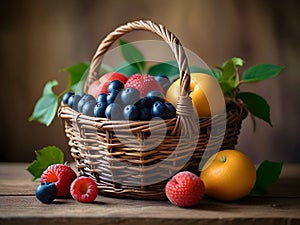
{"x": 133, "y": 56}
{"x": 261, "y": 72}
{"x": 44, "y": 158}
{"x": 266, "y": 175}
{"x": 46, "y": 107}
{"x": 256, "y": 105}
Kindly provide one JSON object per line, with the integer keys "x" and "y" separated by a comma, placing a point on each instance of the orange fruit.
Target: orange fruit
{"x": 206, "y": 94}
{"x": 228, "y": 175}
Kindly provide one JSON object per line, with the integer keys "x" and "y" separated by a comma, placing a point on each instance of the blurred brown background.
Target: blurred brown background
{"x": 37, "y": 38}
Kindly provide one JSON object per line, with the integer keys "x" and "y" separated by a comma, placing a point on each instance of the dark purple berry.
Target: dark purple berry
{"x": 145, "y": 114}
{"x": 163, "y": 81}
{"x": 131, "y": 112}
{"x": 115, "y": 85}
{"x": 84, "y": 99}
{"x": 88, "y": 107}
{"x": 46, "y": 192}
{"x": 114, "y": 112}
{"x": 102, "y": 97}
{"x": 130, "y": 96}
{"x": 111, "y": 97}
{"x": 73, "y": 101}
{"x": 172, "y": 110}
{"x": 159, "y": 109}
{"x": 99, "y": 109}
{"x": 143, "y": 103}
{"x": 154, "y": 96}
{"x": 66, "y": 97}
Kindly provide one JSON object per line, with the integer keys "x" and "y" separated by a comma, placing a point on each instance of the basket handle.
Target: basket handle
{"x": 186, "y": 124}
{"x": 147, "y": 25}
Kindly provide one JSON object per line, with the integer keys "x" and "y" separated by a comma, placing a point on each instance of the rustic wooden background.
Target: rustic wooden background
{"x": 37, "y": 38}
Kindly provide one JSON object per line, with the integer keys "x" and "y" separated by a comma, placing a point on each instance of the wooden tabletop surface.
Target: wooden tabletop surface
{"x": 18, "y": 205}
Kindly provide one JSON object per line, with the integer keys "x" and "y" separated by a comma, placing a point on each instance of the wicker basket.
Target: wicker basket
{"x": 136, "y": 158}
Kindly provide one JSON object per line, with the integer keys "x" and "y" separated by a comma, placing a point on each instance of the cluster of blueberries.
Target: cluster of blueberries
{"x": 121, "y": 103}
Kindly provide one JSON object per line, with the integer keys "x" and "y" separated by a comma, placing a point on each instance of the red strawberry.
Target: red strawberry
{"x": 144, "y": 83}
{"x": 84, "y": 189}
{"x": 185, "y": 189}
{"x": 62, "y": 176}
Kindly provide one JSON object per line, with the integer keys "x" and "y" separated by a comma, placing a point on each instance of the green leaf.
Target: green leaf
{"x": 133, "y": 56}
{"x": 126, "y": 69}
{"x": 228, "y": 87}
{"x": 168, "y": 68}
{"x": 46, "y": 107}
{"x": 256, "y": 105}
{"x": 230, "y": 68}
{"x": 76, "y": 72}
{"x": 266, "y": 175}
{"x": 261, "y": 72}
{"x": 44, "y": 158}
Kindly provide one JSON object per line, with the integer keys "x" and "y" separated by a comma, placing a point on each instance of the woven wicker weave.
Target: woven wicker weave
{"x": 136, "y": 158}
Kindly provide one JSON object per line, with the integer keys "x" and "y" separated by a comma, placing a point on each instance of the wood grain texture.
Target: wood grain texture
{"x": 18, "y": 205}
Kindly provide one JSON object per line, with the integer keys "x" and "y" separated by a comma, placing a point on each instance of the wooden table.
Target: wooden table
{"x": 18, "y": 205}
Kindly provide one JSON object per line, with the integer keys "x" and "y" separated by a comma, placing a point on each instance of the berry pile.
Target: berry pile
{"x": 141, "y": 97}
{"x": 60, "y": 181}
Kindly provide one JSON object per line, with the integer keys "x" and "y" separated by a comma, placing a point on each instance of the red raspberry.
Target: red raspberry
{"x": 185, "y": 189}
{"x": 84, "y": 189}
{"x": 62, "y": 176}
{"x": 143, "y": 83}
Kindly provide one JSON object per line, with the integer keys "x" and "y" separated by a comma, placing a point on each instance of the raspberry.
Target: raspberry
{"x": 84, "y": 189}
{"x": 185, "y": 189}
{"x": 62, "y": 176}
{"x": 143, "y": 83}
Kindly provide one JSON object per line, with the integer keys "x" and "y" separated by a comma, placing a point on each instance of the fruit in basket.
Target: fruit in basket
{"x": 130, "y": 96}
{"x": 111, "y": 96}
{"x": 102, "y": 98}
{"x": 62, "y": 176}
{"x": 115, "y": 85}
{"x": 100, "y": 85}
{"x": 84, "y": 99}
{"x": 114, "y": 111}
{"x": 73, "y": 101}
{"x": 185, "y": 189}
{"x": 84, "y": 189}
{"x": 66, "y": 97}
{"x": 163, "y": 81}
{"x": 99, "y": 109}
{"x": 143, "y": 83}
{"x": 131, "y": 112}
{"x": 46, "y": 192}
{"x": 206, "y": 94}
{"x": 163, "y": 110}
{"x": 88, "y": 107}
{"x": 228, "y": 175}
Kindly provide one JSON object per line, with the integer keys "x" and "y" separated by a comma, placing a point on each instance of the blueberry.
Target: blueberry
{"x": 130, "y": 96}
{"x": 85, "y": 98}
{"x": 143, "y": 103}
{"x": 163, "y": 81}
{"x": 154, "y": 96}
{"x": 88, "y": 107}
{"x": 115, "y": 85}
{"x": 160, "y": 109}
{"x": 145, "y": 114}
{"x": 131, "y": 112}
{"x": 73, "y": 101}
{"x": 114, "y": 111}
{"x": 66, "y": 97}
{"x": 46, "y": 192}
{"x": 102, "y": 97}
{"x": 171, "y": 109}
{"x": 99, "y": 109}
{"x": 111, "y": 97}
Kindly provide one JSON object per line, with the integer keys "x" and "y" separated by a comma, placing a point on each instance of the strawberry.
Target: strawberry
{"x": 143, "y": 83}
{"x": 84, "y": 189}
{"x": 62, "y": 176}
{"x": 185, "y": 189}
